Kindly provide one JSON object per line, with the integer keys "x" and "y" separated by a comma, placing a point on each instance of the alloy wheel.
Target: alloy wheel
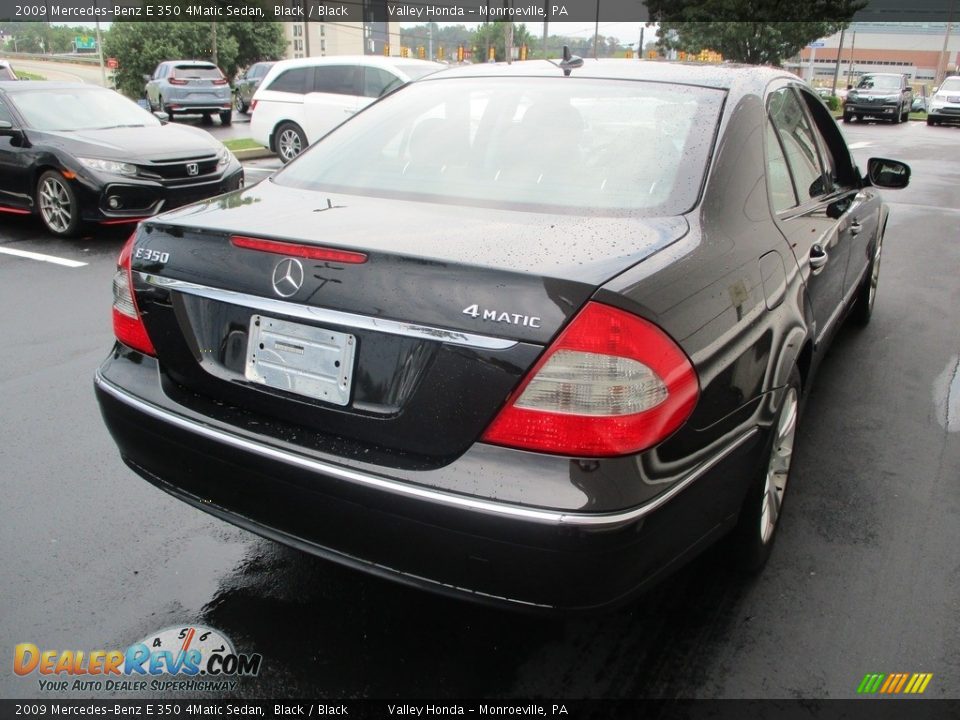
{"x": 778, "y": 467}
{"x": 55, "y": 205}
{"x": 289, "y": 144}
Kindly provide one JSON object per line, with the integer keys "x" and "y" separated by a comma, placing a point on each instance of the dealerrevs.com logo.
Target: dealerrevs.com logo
{"x": 191, "y": 658}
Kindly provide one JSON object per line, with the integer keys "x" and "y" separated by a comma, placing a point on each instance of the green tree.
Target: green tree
{"x": 776, "y": 29}
{"x": 140, "y": 46}
{"x": 494, "y": 35}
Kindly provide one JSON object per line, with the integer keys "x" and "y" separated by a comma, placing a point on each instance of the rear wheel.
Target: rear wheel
{"x": 226, "y": 117}
{"x": 166, "y": 109}
{"x": 847, "y": 117}
{"x": 290, "y": 141}
{"x": 756, "y": 528}
{"x": 58, "y": 204}
{"x": 867, "y": 294}
{"x": 239, "y": 105}
{"x": 904, "y": 113}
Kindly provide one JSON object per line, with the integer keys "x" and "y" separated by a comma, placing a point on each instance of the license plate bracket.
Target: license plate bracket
{"x": 305, "y": 360}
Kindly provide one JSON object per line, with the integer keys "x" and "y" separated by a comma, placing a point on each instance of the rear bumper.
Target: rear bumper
{"x": 484, "y": 550}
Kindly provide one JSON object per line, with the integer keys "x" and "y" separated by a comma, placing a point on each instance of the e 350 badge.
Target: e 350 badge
{"x": 182, "y": 658}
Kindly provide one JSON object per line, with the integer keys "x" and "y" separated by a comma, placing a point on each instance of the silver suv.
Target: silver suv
{"x": 189, "y": 86}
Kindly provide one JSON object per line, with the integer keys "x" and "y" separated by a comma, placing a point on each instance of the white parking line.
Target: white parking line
{"x": 42, "y": 258}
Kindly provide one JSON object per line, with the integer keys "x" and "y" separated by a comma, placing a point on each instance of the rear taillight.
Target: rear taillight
{"x": 253, "y": 105}
{"x": 220, "y": 81}
{"x": 610, "y": 384}
{"x": 127, "y": 324}
{"x": 176, "y": 81}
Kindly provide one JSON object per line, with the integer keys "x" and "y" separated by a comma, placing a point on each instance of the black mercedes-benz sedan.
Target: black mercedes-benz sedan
{"x": 72, "y": 153}
{"x": 527, "y": 334}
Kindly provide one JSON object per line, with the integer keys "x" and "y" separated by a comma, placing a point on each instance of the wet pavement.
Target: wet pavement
{"x": 865, "y": 576}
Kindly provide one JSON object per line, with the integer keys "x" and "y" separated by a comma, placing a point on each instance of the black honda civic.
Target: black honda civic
{"x": 74, "y": 153}
{"x": 532, "y": 334}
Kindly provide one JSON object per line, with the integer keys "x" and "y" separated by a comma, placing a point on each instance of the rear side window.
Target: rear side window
{"x": 291, "y": 81}
{"x": 337, "y": 79}
{"x": 798, "y": 142}
{"x": 377, "y": 82}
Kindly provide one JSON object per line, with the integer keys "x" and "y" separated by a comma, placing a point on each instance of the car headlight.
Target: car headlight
{"x": 223, "y": 158}
{"x": 852, "y": 95}
{"x": 109, "y": 166}
{"x": 937, "y": 104}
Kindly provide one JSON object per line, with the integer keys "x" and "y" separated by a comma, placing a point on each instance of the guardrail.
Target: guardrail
{"x": 74, "y": 58}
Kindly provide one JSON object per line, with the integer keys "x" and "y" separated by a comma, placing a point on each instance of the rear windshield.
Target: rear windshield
{"x": 525, "y": 143}
{"x": 203, "y": 72}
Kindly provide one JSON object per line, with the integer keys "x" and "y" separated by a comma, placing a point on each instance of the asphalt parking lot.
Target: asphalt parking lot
{"x": 865, "y": 576}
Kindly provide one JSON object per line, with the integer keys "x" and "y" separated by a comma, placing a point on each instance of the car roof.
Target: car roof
{"x": 369, "y": 60}
{"x": 188, "y": 62}
{"x": 725, "y": 76}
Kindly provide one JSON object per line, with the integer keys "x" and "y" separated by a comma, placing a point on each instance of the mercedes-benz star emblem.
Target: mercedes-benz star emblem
{"x": 287, "y": 277}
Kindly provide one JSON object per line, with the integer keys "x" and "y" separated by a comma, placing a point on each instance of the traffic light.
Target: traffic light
{"x": 404, "y": 51}
{"x": 460, "y": 54}
{"x": 421, "y": 52}
{"x": 491, "y": 54}
{"x": 386, "y": 49}
{"x": 523, "y": 52}
{"x": 683, "y": 55}
{"x": 440, "y": 53}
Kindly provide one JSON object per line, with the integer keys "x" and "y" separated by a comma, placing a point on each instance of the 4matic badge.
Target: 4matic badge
{"x": 501, "y": 316}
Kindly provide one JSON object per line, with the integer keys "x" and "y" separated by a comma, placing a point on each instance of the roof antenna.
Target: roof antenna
{"x": 570, "y": 61}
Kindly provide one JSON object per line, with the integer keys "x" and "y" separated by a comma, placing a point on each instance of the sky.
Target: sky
{"x": 625, "y": 32}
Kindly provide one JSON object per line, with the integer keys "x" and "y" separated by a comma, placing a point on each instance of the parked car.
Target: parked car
{"x": 72, "y": 153}
{"x": 944, "y": 104}
{"x": 507, "y": 335}
{"x": 880, "y": 95}
{"x": 300, "y": 101}
{"x": 6, "y": 71}
{"x": 189, "y": 86}
{"x": 247, "y": 83}
{"x": 919, "y": 104}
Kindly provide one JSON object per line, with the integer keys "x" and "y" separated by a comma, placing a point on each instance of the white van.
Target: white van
{"x": 300, "y": 101}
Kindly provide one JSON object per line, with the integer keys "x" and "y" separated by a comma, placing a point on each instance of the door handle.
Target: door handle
{"x": 855, "y": 227}
{"x": 818, "y": 258}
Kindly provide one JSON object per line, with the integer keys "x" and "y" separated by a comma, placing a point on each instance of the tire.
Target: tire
{"x": 867, "y": 294}
{"x": 905, "y": 114}
{"x": 239, "y": 105}
{"x": 290, "y": 141}
{"x": 859, "y": 118}
{"x": 762, "y": 508}
{"x": 226, "y": 117}
{"x": 930, "y": 121}
{"x": 146, "y": 96}
{"x": 206, "y": 119}
{"x": 167, "y": 110}
{"x": 847, "y": 117}
{"x": 57, "y": 204}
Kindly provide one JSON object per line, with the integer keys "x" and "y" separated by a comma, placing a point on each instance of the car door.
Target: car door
{"x": 804, "y": 207}
{"x": 153, "y": 87}
{"x": 335, "y": 97}
{"x": 14, "y": 167}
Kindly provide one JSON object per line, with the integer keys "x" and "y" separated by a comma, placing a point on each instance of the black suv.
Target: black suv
{"x": 881, "y": 95}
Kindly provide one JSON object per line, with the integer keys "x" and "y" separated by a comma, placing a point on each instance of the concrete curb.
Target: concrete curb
{"x": 252, "y": 154}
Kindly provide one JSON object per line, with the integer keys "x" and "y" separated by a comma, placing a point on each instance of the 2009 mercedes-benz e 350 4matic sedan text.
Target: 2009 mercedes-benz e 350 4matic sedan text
{"x": 509, "y": 333}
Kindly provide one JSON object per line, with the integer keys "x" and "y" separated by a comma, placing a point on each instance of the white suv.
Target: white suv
{"x": 300, "y": 101}
{"x": 944, "y": 106}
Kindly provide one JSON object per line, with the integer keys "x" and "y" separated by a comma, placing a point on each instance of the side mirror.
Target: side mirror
{"x": 8, "y": 130}
{"x": 147, "y": 78}
{"x": 885, "y": 173}
{"x": 935, "y": 88}
{"x": 161, "y": 116}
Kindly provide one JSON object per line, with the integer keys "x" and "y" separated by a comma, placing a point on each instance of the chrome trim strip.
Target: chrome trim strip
{"x": 325, "y": 315}
{"x": 461, "y": 502}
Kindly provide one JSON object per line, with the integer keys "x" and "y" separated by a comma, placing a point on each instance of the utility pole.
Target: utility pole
{"x": 853, "y": 44}
{"x": 213, "y": 41}
{"x": 103, "y": 71}
{"x": 430, "y": 41}
{"x": 942, "y": 61}
{"x": 509, "y": 42}
{"x": 640, "y": 51}
{"x": 545, "y": 23}
{"x": 596, "y": 31}
{"x": 836, "y": 70}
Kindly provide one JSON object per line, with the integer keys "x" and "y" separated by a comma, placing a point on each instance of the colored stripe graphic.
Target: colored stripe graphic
{"x": 894, "y": 684}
